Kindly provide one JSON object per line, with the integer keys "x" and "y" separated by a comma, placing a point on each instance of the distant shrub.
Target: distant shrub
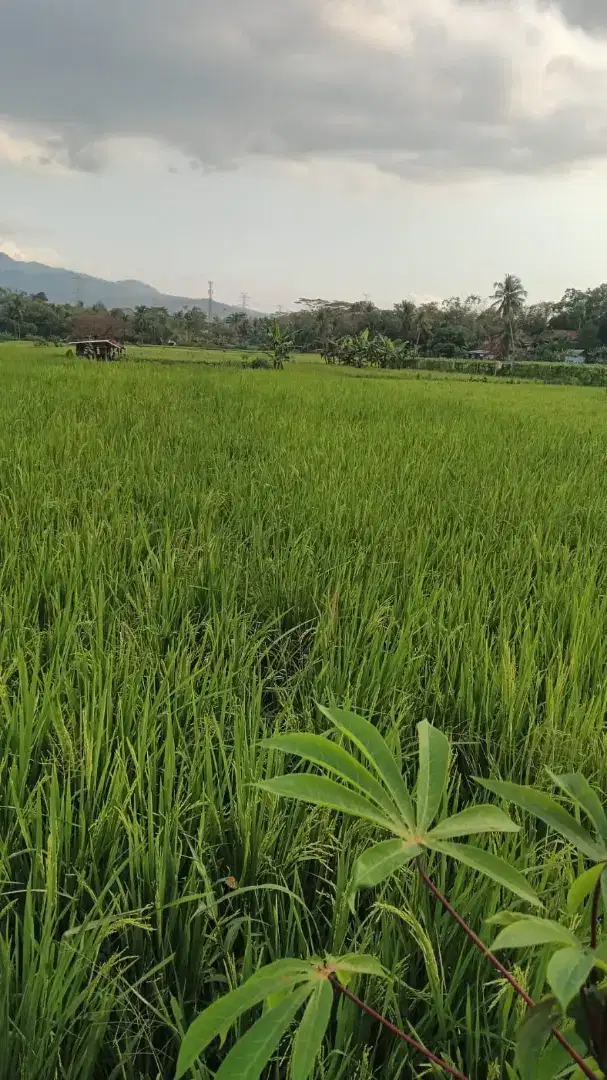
{"x": 261, "y": 363}
{"x": 69, "y": 354}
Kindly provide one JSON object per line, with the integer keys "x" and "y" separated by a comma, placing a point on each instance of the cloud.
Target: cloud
{"x": 45, "y": 255}
{"x": 427, "y": 89}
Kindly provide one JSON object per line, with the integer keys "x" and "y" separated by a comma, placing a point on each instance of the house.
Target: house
{"x": 482, "y": 354}
{"x": 98, "y": 349}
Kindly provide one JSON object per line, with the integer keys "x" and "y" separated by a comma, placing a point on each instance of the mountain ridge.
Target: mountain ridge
{"x": 63, "y": 286}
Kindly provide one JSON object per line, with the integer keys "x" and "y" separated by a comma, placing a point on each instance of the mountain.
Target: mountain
{"x": 67, "y": 287}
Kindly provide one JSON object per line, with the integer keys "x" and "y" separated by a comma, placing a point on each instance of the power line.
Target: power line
{"x": 210, "y": 301}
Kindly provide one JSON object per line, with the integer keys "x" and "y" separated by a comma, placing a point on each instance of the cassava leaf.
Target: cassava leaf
{"x": 380, "y": 862}
{"x": 311, "y": 1031}
{"x": 320, "y": 791}
{"x": 583, "y": 886}
{"x": 547, "y": 810}
{"x": 475, "y": 819}
{"x": 531, "y": 930}
{"x": 249, "y": 1056}
{"x": 532, "y": 1037}
{"x": 359, "y": 964}
{"x": 376, "y": 750}
{"x": 488, "y": 864}
{"x": 577, "y": 787}
{"x": 321, "y": 751}
{"x": 219, "y": 1017}
{"x": 567, "y": 972}
{"x": 434, "y": 753}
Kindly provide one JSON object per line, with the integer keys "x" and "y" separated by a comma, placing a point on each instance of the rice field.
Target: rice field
{"x": 190, "y": 559}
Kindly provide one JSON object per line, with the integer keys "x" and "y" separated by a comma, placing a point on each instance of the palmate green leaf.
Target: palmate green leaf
{"x": 579, "y": 790}
{"x": 249, "y": 1056}
{"x": 488, "y": 864}
{"x": 320, "y": 791}
{"x": 532, "y": 1037}
{"x": 380, "y": 862}
{"x": 583, "y": 886}
{"x": 311, "y": 1031}
{"x": 219, "y": 1017}
{"x": 531, "y": 930}
{"x": 434, "y": 753}
{"x": 376, "y": 750}
{"x": 358, "y": 964}
{"x": 547, "y": 810}
{"x": 476, "y": 819}
{"x": 555, "y": 1060}
{"x": 567, "y": 972}
{"x": 321, "y": 751}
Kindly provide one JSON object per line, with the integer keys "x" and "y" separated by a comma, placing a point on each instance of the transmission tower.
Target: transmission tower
{"x": 210, "y": 302}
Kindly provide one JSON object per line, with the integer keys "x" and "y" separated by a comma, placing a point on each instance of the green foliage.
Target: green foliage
{"x": 191, "y": 557}
{"x": 390, "y": 807}
{"x": 285, "y": 986}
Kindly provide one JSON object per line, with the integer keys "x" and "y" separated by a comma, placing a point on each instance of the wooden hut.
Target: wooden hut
{"x": 98, "y": 349}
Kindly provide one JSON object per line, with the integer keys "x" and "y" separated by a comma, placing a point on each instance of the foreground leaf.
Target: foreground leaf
{"x": 532, "y": 1036}
{"x": 310, "y": 1034}
{"x": 380, "y": 862}
{"x": 359, "y": 964}
{"x": 583, "y": 886}
{"x": 220, "y": 1016}
{"x": 488, "y": 864}
{"x": 476, "y": 819}
{"x": 577, "y": 787}
{"x": 249, "y": 1056}
{"x": 434, "y": 752}
{"x": 323, "y": 752}
{"x": 567, "y": 972}
{"x": 547, "y": 810}
{"x": 375, "y": 748}
{"x": 532, "y": 930}
{"x": 320, "y": 791}
{"x": 555, "y": 1060}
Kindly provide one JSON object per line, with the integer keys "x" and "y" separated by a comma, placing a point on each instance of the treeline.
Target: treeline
{"x": 504, "y": 325}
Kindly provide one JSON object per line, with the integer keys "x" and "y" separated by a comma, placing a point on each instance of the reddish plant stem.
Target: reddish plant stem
{"x": 396, "y": 1031}
{"x": 507, "y": 975}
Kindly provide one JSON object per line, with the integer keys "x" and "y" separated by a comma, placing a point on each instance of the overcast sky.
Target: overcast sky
{"x": 328, "y": 148}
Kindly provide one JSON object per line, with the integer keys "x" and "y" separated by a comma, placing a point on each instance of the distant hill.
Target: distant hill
{"x": 68, "y": 287}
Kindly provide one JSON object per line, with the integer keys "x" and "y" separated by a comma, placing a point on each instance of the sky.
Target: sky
{"x": 289, "y": 148}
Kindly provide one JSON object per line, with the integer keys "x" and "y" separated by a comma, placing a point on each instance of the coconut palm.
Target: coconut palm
{"x": 509, "y": 300}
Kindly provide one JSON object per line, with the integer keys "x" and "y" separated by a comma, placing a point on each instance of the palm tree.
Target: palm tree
{"x": 509, "y": 300}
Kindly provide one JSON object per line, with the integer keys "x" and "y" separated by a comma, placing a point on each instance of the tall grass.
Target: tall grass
{"x": 189, "y": 559}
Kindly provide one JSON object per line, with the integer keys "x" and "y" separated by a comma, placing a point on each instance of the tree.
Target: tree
{"x": 589, "y": 339}
{"x": 15, "y": 309}
{"x": 509, "y": 302}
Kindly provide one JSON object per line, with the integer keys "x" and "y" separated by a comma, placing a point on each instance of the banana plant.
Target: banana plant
{"x": 376, "y": 792}
{"x": 577, "y": 969}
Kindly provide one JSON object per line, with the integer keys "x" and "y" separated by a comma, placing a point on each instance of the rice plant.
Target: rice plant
{"x": 190, "y": 558}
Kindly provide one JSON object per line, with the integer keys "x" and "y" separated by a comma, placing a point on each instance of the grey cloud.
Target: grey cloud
{"x": 589, "y": 14}
{"x": 221, "y": 81}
